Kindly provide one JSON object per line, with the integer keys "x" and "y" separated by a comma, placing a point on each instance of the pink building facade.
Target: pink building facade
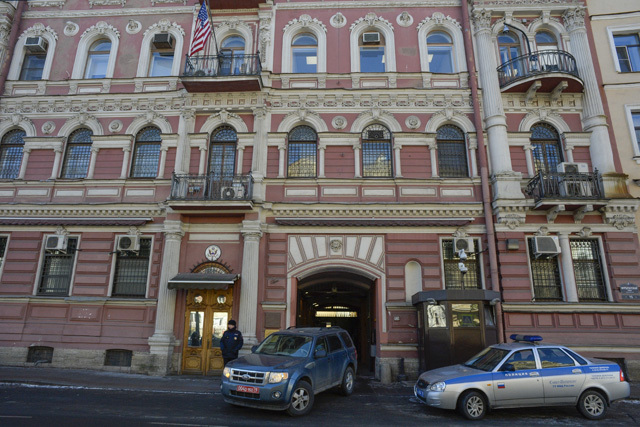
{"x": 318, "y": 163}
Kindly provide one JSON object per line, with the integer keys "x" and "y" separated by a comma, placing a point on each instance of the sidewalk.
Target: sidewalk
{"x": 172, "y": 383}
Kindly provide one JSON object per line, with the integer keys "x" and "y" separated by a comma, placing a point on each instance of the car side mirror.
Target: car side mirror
{"x": 321, "y": 353}
{"x": 509, "y": 367}
{"x": 254, "y": 348}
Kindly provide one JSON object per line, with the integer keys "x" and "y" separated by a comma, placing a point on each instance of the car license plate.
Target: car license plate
{"x": 248, "y": 389}
{"x": 420, "y": 392}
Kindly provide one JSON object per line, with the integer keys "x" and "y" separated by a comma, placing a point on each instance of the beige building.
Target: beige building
{"x": 616, "y": 33}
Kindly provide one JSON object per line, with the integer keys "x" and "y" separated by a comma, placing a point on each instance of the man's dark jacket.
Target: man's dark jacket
{"x": 231, "y": 343}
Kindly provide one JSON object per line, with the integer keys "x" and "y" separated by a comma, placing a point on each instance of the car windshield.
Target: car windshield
{"x": 487, "y": 359}
{"x": 285, "y": 345}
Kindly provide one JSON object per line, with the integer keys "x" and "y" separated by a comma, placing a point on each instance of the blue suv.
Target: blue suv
{"x": 289, "y": 367}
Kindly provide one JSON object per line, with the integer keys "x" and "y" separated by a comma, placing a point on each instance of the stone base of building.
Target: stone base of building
{"x": 633, "y": 369}
{"x": 390, "y": 372}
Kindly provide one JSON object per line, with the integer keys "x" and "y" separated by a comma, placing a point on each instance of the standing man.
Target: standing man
{"x": 231, "y": 342}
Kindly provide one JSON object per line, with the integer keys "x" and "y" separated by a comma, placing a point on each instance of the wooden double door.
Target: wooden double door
{"x": 206, "y": 316}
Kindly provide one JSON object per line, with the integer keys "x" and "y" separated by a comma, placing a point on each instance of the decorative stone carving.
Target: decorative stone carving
{"x": 46, "y": 3}
{"x": 71, "y": 29}
{"x": 542, "y": 231}
{"x": 107, "y": 3}
{"x": 481, "y": 19}
{"x": 48, "y": 127}
{"x": 154, "y": 2}
{"x": 438, "y": 18}
{"x": 339, "y": 122}
{"x": 265, "y": 39}
{"x": 621, "y": 221}
{"x": 134, "y": 231}
{"x": 163, "y": 25}
{"x": 338, "y": 20}
{"x": 133, "y": 26}
{"x": 115, "y": 126}
{"x": 38, "y": 30}
{"x": 585, "y": 232}
{"x": 305, "y": 21}
{"x": 335, "y": 245}
{"x": 552, "y": 213}
{"x": 102, "y": 28}
{"x": 412, "y": 122}
{"x": 371, "y": 18}
{"x": 574, "y": 19}
{"x": 511, "y": 220}
{"x": 404, "y": 19}
{"x": 460, "y": 234}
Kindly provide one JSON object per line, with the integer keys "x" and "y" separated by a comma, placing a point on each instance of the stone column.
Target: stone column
{"x": 261, "y": 126}
{"x": 162, "y": 342}
{"x": 569, "y": 152}
{"x": 92, "y": 162}
{"x": 397, "y": 149}
{"x": 356, "y": 155}
{"x": 125, "y": 162}
{"x": 528, "y": 156}
{"x": 505, "y": 180}
{"x": 434, "y": 159}
{"x": 163, "y": 161}
{"x": 56, "y": 163}
{"x": 23, "y": 165}
{"x": 321, "y": 150}
{"x": 203, "y": 160}
{"x": 183, "y": 150}
{"x": 473, "y": 148}
{"x": 281, "y": 160}
{"x": 252, "y": 232}
{"x": 239, "y": 159}
{"x": 593, "y": 118}
{"x": 570, "y": 289}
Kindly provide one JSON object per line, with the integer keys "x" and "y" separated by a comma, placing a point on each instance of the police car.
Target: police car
{"x": 524, "y": 373}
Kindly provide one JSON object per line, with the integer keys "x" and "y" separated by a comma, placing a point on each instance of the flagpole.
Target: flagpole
{"x": 213, "y": 29}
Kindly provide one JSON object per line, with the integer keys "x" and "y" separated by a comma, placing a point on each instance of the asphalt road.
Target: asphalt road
{"x": 33, "y": 405}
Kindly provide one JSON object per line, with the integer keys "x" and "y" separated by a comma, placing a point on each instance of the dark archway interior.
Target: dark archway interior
{"x": 339, "y": 298}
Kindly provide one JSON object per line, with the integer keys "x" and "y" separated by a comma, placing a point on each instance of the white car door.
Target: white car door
{"x": 518, "y": 381}
{"x": 561, "y": 376}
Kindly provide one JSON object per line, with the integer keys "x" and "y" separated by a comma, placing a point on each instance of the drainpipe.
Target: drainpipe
{"x": 484, "y": 173}
{"x": 13, "y": 36}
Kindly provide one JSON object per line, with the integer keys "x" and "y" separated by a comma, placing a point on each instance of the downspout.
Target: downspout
{"x": 484, "y": 173}
{"x": 13, "y": 36}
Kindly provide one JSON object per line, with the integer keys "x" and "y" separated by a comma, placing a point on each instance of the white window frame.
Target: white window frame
{"x": 20, "y": 52}
{"x": 41, "y": 264}
{"x": 379, "y": 25}
{"x": 453, "y": 29}
{"x": 114, "y": 260}
{"x": 90, "y": 36}
{"x": 629, "y": 110}
{"x": 620, "y": 30}
{"x": 144, "y": 63}
{"x": 291, "y": 31}
{"x": 443, "y": 285}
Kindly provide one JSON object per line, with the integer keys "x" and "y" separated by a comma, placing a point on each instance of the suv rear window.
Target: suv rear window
{"x": 347, "y": 339}
{"x": 334, "y": 343}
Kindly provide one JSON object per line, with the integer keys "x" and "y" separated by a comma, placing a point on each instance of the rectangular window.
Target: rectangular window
{"x": 161, "y": 64}
{"x": 635, "y": 116}
{"x": 145, "y": 160}
{"x": 33, "y": 66}
{"x": 372, "y": 59}
{"x": 453, "y": 277}
{"x": 545, "y": 274}
{"x": 376, "y": 159}
{"x": 57, "y": 270}
{"x": 301, "y": 159}
{"x": 628, "y": 51}
{"x": 132, "y": 270}
{"x": 587, "y": 266}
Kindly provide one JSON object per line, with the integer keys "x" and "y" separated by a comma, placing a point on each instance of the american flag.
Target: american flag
{"x": 203, "y": 30}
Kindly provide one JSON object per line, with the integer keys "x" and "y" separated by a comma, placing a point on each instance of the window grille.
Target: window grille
{"x": 453, "y": 278}
{"x": 131, "y": 273}
{"x": 57, "y": 270}
{"x": 11, "y": 153}
{"x": 545, "y": 274}
{"x": 118, "y": 358}
{"x": 302, "y": 152}
{"x": 452, "y": 152}
{"x": 222, "y": 159}
{"x": 376, "y": 152}
{"x": 547, "y": 153}
{"x": 40, "y": 354}
{"x": 587, "y": 266}
{"x": 76, "y": 163}
{"x": 147, "y": 153}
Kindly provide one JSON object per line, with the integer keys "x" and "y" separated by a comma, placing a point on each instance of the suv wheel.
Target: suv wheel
{"x": 592, "y": 405}
{"x": 301, "y": 399}
{"x": 348, "y": 382}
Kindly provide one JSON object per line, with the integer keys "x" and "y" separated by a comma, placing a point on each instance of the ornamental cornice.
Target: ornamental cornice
{"x": 365, "y": 4}
{"x": 371, "y": 19}
{"x": 38, "y": 30}
{"x": 82, "y": 211}
{"x": 46, "y": 3}
{"x": 481, "y": 19}
{"x": 154, "y": 2}
{"x": 102, "y": 28}
{"x": 128, "y": 12}
{"x": 164, "y": 25}
{"x": 438, "y": 18}
{"x": 382, "y": 212}
{"x": 306, "y": 21}
{"x": 107, "y": 3}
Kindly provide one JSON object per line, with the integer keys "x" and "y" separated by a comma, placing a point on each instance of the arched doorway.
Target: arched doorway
{"x": 344, "y": 299}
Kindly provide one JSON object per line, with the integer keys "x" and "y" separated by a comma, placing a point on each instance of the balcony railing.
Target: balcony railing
{"x": 211, "y": 187}
{"x": 537, "y": 63}
{"x": 566, "y": 186}
{"x": 222, "y": 66}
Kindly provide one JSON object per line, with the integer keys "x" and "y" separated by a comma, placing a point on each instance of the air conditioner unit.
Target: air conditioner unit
{"x": 465, "y": 243}
{"x": 128, "y": 242}
{"x": 371, "y": 38}
{"x": 55, "y": 242}
{"x": 236, "y": 191}
{"x": 569, "y": 167}
{"x": 547, "y": 246}
{"x": 36, "y": 44}
{"x": 163, "y": 41}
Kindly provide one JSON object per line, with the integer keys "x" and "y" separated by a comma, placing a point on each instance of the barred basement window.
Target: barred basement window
{"x": 11, "y": 153}
{"x": 302, "y": 152}
{"x": 131, "y": 273}
{"x": 76, "y": 162}
{"x": 452, "y": 152}
{"x": 40, "y": 354}
{"x": 222, "y": 160}
{"x": 453, "y": 278}
{"x": 147, "y": 153}
{"x": 376, "y": 152}
{"x": 587, "y": 266}
{"x": 118, "y": 358}
{"x": 57, "y": 270}
{"x": 545, "y": 274}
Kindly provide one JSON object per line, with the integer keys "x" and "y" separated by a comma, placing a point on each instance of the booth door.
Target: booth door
{"x": 206, "y": 317}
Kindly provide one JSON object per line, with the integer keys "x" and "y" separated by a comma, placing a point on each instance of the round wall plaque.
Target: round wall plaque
{"x": 212, "y": 253}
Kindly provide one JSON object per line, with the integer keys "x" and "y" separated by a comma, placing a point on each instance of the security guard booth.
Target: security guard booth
{"x": 454, "y": 325}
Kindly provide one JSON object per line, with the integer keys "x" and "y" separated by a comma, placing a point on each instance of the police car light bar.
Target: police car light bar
{"x": 527, "y": 338}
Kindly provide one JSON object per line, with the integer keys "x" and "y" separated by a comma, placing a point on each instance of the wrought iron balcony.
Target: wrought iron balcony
{"x": 544, "y": 64}
{"x": 211, "y": 188}
{"x": 566, "y": 186}
{"x": 211, "y": 73}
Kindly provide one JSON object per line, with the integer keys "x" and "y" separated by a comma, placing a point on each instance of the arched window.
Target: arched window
{"x": 11, "y": 153}
{"x": 146, "y": 153}
{"x": 452, "y": 152}
{"x": 232, "y": 61}
{"x": 222, "y": 155}
{"x": 304, "y": 52}
{"x": 98, "y": 59}
{"x": 440, "y": 48}
{"x": 546, "y": 148}
{"x": 33, "y": 63}
{"x": 376, "y": 152}
{"x": 302, "y": 152}
{"x": 372, "y": 52}
{"x": 509, "y": 46}
{"x": 546, "y": 41}
{"x": 161, "y": 58}
{"x": 76, "y": 161}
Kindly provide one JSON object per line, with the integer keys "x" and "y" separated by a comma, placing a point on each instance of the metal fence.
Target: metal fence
{"x": 563, "y": 185}
{"x": 222, "y": 66}
{"x": 211, "y": 187}
{"x": 540, "y": 62}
